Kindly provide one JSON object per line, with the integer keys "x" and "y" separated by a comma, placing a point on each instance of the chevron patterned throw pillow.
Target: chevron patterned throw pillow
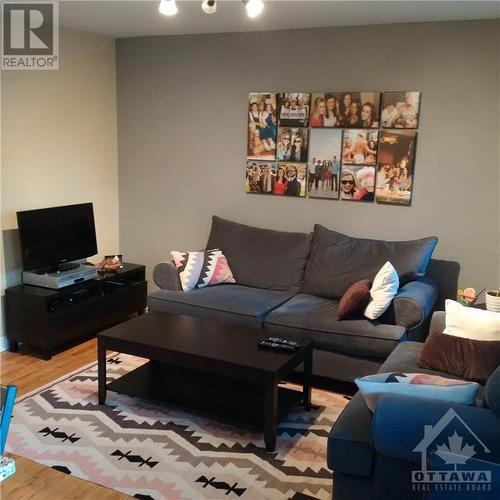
{"x": 201, "y": 269}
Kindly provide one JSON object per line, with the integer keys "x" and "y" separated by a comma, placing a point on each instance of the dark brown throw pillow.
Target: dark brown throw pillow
{"x": 471, "y": 359}
{"x": 354, "y": 300}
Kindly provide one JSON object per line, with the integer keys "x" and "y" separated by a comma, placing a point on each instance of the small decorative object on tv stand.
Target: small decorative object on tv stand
{"x": 493, "y": 300}
{"x": 110, "y": 263}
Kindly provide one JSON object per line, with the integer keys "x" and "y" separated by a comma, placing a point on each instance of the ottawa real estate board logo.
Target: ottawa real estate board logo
{"x": 453, "y": 459}
{"x": 30, "y": 38}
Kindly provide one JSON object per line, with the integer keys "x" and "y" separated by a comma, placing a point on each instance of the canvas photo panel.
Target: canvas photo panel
{"x": 292, "y": 144}
{"x": 396, "y": 166}
{"x": 257, "y": 178}
{"x": 324, "y": 110}
{"x": 279, "y": 179}
{"x": 360, "y": 147}
{"x": 357, "y": 183}
{"x": 262, "y": 126}
{"x": 294, "y": 109}
{"x": 325, "y": 147}
{"x": 293, "y": 176}
{"x": 345, "y": 109}
{"x": 400, "y": 109}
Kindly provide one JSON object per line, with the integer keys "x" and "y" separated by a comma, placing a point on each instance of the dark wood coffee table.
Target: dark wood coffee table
{"x": 207, "y": 365}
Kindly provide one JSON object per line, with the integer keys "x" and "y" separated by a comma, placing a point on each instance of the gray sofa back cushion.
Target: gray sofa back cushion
{"x": 262, "y": 258}
{"x": 337, "y": 261}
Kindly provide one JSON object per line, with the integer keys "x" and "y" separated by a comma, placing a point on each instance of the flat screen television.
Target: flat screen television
{"x": 51, "y": 237}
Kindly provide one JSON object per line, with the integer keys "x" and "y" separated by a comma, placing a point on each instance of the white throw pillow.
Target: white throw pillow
{"x": 471, "y": 323}
{"x": 384, "y": 289}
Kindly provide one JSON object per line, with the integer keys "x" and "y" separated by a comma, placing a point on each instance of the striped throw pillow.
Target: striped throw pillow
{"x": 201, "y": 269}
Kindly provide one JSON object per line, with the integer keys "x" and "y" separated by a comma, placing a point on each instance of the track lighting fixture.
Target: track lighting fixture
{"x": 168, "y": 7}
{"x": 253, "y": 7}
{"x": 209, "y": 6}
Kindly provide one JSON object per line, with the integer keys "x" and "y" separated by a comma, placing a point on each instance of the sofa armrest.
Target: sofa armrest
{"x": 438, "y": 322}
{"x": 414, "y": 302}
{"x": 400, "y": 422}
{"x": 350, "y": 449}
{"x": 165, "y": 275}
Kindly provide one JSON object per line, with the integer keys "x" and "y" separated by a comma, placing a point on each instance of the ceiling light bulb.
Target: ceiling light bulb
{"x": 254, "y": 7}
{"x": 209, "y": 6}
{"x": 168, "y": 7}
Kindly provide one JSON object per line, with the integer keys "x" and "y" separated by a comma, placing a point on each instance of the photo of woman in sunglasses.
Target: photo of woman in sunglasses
{"x": 357, "y": 183}
{"x": 292, "y": 145}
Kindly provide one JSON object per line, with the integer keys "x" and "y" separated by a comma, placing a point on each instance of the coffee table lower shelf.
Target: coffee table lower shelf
{"x": 195, "y": 390}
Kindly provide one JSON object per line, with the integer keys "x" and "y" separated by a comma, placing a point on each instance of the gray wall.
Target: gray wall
{"x": 182, "y": 134}
{"x": 59, "y": 144}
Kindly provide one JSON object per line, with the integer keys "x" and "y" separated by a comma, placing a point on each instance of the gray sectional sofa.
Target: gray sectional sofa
{"x": 372, "y": 454}
{"x": 291, "y": 283}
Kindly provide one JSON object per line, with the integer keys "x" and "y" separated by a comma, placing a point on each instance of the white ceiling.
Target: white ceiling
{"x": 123, "y": 18}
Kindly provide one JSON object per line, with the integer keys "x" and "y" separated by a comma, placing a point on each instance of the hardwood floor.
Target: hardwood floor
{"x": 32, "y": 480}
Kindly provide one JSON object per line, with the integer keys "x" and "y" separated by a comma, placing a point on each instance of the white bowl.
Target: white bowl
{"x": 492, "y": 302}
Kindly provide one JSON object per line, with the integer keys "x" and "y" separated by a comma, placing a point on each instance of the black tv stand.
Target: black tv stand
{"x": 44, "y": 318}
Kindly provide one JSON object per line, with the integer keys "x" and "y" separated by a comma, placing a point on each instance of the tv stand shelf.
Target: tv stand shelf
{"x": 43, "y": 318}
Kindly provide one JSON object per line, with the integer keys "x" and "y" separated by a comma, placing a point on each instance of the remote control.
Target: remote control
{"x": 279, "y": 340}
{"x": 277, "y": 346}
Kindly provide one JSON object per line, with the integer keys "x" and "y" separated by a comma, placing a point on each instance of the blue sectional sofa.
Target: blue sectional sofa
{"x": 372, "y": 455}
{"x": 291, "y": 284}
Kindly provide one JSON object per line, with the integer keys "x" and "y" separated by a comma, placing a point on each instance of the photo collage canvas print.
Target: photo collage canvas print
{"x": 357, "y": 146}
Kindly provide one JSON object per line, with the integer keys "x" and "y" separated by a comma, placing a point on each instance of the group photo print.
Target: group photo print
{"x": 396, "y": 166}
{"x": 294, "y": 109}
{"x": 262, "y": 127}
{"x": 345, "y": 109}
{"x": 281, "y": 179}
{"x": 325, "y": 148}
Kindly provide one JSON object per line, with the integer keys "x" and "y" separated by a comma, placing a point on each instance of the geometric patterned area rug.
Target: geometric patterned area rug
{"x": 151, "y": 450}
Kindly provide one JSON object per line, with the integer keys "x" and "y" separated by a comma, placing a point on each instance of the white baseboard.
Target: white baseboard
{"x": 4, "y": 344}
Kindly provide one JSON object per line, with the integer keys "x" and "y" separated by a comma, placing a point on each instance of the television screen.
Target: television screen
{"x": 52, "y": 236}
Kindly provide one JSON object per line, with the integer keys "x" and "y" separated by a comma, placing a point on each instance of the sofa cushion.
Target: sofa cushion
{"x": 468, "y": 358}
{"x": 202, "y": 268}
{"x": 471, "y": 323}
{"x": 417, "y": 385}
{"x": 230, "y": 303}
{"x": 384, "y": 289}
{"x": 317, "y": 317}
{"x": 262, "y": 258}
{"x": 405, "y": 358}
{"x": 337, "y": 261}
{"x": 353, "y": 302}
